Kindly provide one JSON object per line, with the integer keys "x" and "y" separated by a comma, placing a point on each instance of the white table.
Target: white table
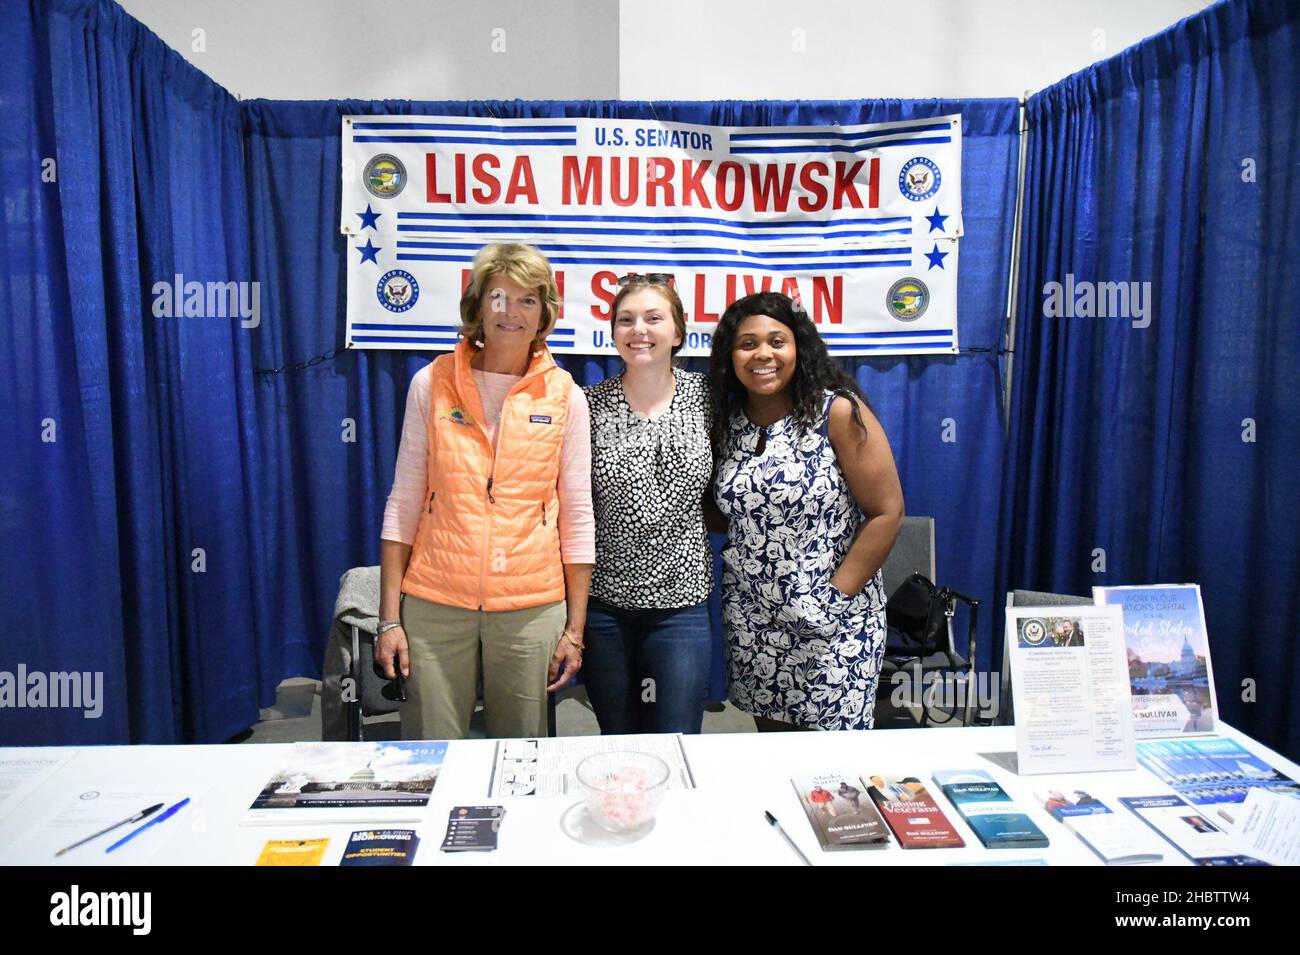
{"x": 738, "y": 776}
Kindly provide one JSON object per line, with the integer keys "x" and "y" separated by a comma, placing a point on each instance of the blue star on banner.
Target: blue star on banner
{"x": 368, "y": 218}
{"x": 936, "y": 257}
{"x": 936, "y": 221}
{"x": 369, "y": 251}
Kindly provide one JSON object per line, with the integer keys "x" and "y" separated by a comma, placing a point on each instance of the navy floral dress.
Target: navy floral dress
{"x": 798, "y": 650}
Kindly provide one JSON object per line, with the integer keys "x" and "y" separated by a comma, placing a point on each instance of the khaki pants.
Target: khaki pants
{"x": 449, "y": 647}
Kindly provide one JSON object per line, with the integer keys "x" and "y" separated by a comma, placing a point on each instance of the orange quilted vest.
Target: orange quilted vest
{"x": 488, "y": 537}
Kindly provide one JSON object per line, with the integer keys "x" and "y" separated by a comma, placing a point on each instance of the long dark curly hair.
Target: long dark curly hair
{"x": 815, "y": 370}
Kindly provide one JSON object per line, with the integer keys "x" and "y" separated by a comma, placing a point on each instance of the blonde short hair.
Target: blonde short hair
{"x": 520, "y": 263}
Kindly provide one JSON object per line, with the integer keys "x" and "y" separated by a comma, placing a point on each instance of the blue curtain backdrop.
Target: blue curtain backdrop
{"x": 1165, "y": 451}
{"x": 1171, "y": 448}
{"x": 129, "y": 440}
{"x": 324, "y": 497}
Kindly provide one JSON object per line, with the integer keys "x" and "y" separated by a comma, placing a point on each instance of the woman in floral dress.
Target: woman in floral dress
{"x": 807, "y": 488}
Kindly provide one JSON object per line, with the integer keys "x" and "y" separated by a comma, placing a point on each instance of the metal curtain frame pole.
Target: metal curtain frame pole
{"x": 1013, "y": 278}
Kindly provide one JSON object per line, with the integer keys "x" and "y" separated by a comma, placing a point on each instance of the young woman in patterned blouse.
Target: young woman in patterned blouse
{"x": 648, "y": 639}
{"x": 807, "y": 487}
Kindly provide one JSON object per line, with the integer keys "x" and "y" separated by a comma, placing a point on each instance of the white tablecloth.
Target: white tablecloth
{"x": 737, "y": 776}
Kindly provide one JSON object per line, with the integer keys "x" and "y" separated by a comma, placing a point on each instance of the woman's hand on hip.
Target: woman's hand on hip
{"x": 566, "y": 662}
{"x": 392, "y": 643}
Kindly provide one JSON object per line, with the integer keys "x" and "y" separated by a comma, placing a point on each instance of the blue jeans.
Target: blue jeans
{"x": 647, "y": 671}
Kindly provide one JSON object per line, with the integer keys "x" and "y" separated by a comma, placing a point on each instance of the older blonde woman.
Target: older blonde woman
{"x": 488, "y": 539}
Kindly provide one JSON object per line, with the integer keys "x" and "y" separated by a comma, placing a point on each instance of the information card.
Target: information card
{"x": 1070, "y": 682}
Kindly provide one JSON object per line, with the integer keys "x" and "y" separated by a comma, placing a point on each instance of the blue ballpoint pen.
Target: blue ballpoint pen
{"x": 162, "y": 817}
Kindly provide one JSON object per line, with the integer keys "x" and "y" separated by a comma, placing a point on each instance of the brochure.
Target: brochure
{"x": 371, "y": 847}
{"x": 842, "y": 815}
{"x": 911, "y": 813}
{"x": 286, "y": 852}
{"x": 1187, "y": 829}
{"x": 988, "y": 810}
{"x": 1116, "y": 839}
{"x": 1070, "y": 685}
{"x": 1209, "y": 770}
{"x": 350, "y": 782}
{"x": 1171, "y": 680}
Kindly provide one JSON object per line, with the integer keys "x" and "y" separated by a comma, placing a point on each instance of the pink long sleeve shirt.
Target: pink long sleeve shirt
{"x": 577, "y": 522}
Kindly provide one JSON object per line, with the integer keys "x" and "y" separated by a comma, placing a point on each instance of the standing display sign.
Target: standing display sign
{"x": 1170, "y": 675}
{"x": 1070, "y": 683}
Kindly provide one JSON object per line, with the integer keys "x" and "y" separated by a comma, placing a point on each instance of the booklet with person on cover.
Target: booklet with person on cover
{"x": 841, "y": 814}
{"x": 988, "y": 810}
{"x": 1187, "y": 829}
{"x": 1117, "y": 839}
{"x": 911, "y": 813}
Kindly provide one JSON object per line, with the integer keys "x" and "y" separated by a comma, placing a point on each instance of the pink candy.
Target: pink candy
{"x": 623, "y": 795}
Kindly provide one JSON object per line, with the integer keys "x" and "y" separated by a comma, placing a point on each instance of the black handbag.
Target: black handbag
{"x": 916, "y": 619}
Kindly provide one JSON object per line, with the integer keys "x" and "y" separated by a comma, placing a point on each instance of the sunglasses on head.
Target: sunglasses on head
{"x": 649, "y": 278}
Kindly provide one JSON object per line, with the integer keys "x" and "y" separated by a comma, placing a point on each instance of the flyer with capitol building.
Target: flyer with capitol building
{"x": 1170, "y": 675}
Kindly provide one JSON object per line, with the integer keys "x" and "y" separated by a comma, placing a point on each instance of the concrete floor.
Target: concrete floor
{"x": 296, "y": 717}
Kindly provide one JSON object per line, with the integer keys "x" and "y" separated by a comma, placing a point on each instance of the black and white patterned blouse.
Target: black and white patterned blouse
{"x": 648, "y": 477}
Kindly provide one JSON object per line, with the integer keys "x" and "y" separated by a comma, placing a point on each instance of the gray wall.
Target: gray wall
{"x": 830, "y": 49}
{"x": 400, "y": 49}
{"x": 649, "y": 49}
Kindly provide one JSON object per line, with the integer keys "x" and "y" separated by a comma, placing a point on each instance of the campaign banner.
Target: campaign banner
{"x": 859, "y": 222}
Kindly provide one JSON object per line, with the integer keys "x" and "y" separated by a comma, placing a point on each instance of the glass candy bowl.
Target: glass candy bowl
{"x": 623, "y": 789}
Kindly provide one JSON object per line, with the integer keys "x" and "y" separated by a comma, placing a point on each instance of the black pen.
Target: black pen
{"x": 399, "y": 681}
{"x": 136, "y": 818}
{"x": 786, "y": 836}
